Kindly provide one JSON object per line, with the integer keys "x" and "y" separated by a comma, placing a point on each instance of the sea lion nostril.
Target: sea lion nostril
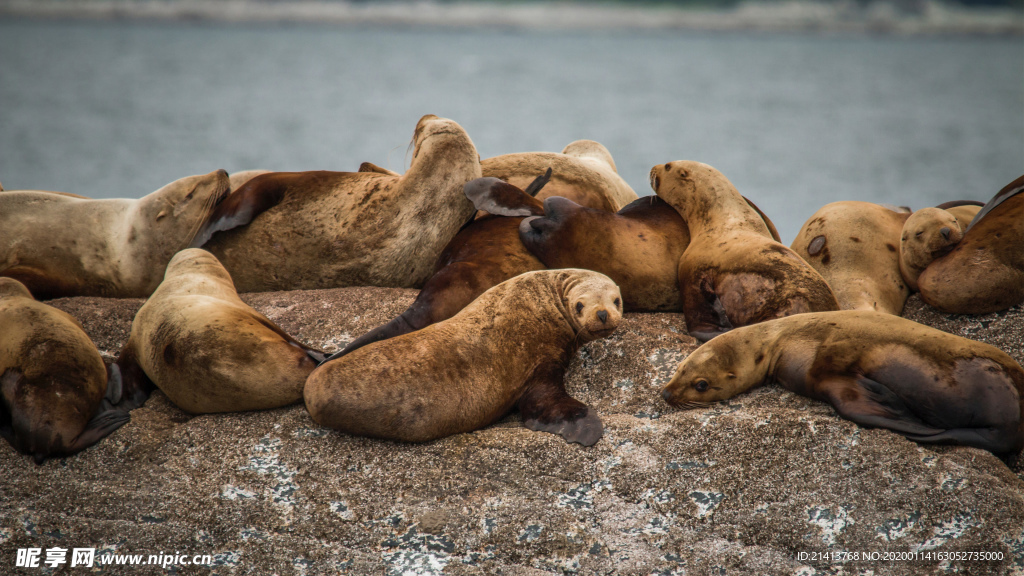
{"x": 666, "y": 394}
{"x": 945, "y": 232}
{"x": 603, "y": 315}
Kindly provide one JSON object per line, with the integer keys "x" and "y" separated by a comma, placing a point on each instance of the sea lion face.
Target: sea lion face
{"x": 184, "y": 204}
{"x": 430, "y": 127}
{"x": 594, "y": 306}
{"x": 712, "y": 373}
{"x": 928, "y": 234}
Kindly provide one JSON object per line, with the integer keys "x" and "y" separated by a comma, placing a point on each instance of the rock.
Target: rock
{"x": 768, "y": 483}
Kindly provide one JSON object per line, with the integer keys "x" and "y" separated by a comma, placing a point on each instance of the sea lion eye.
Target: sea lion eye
{"x": 579, "y": 307}
{"x": 919, "y": 233}
{"x": 616, "y": 302}
{"x": 701, "y": 385}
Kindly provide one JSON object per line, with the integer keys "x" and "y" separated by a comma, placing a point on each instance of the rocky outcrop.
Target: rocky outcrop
{"x": 768, "y": 483}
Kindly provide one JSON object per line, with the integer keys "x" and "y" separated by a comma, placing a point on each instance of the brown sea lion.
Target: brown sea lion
{"x": 638, "y": 247}
{"x": 207, "y": 350}
{"x": 59, "y": 245}
{"x": 331, "y": 229}
{"x": 584, "y": 172}
{"x": 985, "y": 271}
{"x": 508, "y": 348}
{"x": 855, "y": 248}
{"x": 733, "y": 273}
{"x": 875, "y": 369}
{"x": 931, "y": 233}
{"x": 485, "y": 253}
{"x": 56, "y": 395}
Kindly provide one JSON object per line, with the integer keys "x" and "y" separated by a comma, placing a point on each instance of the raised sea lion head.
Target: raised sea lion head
{"x": 434, "y": 134}
{"x": 592, "y": 301}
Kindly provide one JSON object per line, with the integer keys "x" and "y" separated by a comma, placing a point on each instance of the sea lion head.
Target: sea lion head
{"x": 593, "y": 303}
{"x": 200, "y": 270}
{"x": 435, "y": 133}
{"x": 590, "y": 150}
{"x": 716, "y": 371}
{"x": 551, "y": 229}
{"x": 181, "y": 208}
{"x": 928, "y": 234}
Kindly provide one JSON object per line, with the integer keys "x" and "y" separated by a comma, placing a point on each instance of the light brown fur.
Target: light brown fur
{"x": 855, "y": 248}
{"x": 511, "y": 343}
{"x": 209, "y": 351}
{"x": 927, "y": 234}
{"x": 331, "y": 229}
{"x": 59, "y": 245}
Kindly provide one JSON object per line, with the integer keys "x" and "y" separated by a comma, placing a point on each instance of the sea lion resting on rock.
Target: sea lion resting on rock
{"x": 65, "y": 245}
{"x": 855, "y": 247}
{"x": 56, "y": 395}
{"x": 209, "y": 351}
{"x": 733, "y": 273}
{"x": 985, "y": 271}
{"x": 874, "y": 369}
{"x": 329, "y": 229}
{"x": 508, "y": 348}
{"x": 930, "y": 233}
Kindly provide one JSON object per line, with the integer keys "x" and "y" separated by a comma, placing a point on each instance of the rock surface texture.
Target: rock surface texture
{"x": 768, "y": 483}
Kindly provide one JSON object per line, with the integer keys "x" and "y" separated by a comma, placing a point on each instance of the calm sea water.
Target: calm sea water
{"x": 119, "y": 109}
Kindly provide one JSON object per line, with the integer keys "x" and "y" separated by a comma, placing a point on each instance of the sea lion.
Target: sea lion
{"x": 584, "y": 172}
{"x": 58, "y": 245}
{"x": 331, "y": 229}
{"x": 638, "y": 247}
{"x": 508, "y": 348}
{"x": 875, "y": 369}
{"x": 237, "y": 179}
{"x": 930, "y": 233}
{"x": 985, "y": 271}
{"x": 733, "y": 273}
{"x": 963, "y": 210}
{"x": 485, "y": 253}
{"x": 56, "y": 395}
{"x": 855, "y": 247}
{"x": 207, "y": 350}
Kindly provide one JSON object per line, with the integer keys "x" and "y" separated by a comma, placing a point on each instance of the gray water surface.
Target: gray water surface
{"x": 118, "y": 109}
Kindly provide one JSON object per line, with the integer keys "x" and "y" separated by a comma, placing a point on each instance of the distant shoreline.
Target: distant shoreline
{"x": 926, "y": 18}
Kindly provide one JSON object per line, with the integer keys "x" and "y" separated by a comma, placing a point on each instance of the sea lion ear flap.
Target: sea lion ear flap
{"x": 500, "y": 198}
{"x": 241, "y": 207}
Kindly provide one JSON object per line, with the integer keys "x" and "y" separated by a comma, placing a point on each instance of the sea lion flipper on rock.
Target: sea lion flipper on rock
{"x": 869, "y": 403}
{"x": 241, "y": 206}
{"x": 546, "y": 407}
{"x": 107, "y": 419}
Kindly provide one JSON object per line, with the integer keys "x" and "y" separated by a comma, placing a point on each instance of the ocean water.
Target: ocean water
{"x": 118, "y": 109}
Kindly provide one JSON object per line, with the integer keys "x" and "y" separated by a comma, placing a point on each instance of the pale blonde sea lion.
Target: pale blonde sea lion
{"x": 733, "y": 272}
{"x": 56, "y": 394}
{"x": 61, "y": 245}
{"x": 330, "y": 229}
{"x": 508, "y": 348}
{"x": 207, "y": 350}
{"x": 855, "y": 248}
{"x": 875, "y": 369}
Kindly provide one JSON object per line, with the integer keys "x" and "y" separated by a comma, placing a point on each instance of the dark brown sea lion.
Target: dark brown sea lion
{"x": 509, "y": 348}
{"x": 331, "y": 229}
{"x": 207, "y": 350}
{"x": 56, "y": 395}
{"x": 855, "y": 246}
{"x": 875, "y": 369}
{"x": 61, "y": 245}
{"x": 733, "y": 273}
{"x": 985, "y": 272}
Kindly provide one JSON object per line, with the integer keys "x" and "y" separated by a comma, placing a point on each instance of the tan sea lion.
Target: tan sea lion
{"x": 209, "y": 351}
{"x": 985, "y": 271}
{"x": 485, "y": 253}
{"x": 331, "y": 229}
{"x": 56, "y": 395}
{"x": 733, "y": 273}
{"x": 237, "y": 179}
{"x": 931, "y": 233}
{"x": 875, "y": 369}
{"x": 584, "y": 172}
{"x": 855, "y": 247}
{"x": 509, "y": 348}
{"x": 59, "y": 245}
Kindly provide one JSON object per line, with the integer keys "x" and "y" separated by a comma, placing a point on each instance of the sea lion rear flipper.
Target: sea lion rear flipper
{"x": 135, "y": 384}
{"x": 242, "y": 206}
{"x": 371, "y": 167}
{"x": 546, "y": 407}
{"x": 538, "y": 183}
{"x": 994, "y": 440}
{"x": 873, "y": 405}
{"x": 500, "y": 198}
{"x": 767, "y": 221}
{"x": 107, "y": 419}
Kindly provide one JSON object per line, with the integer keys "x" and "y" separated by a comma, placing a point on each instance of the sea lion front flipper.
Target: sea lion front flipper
{"x": 107, "y": 419}
{"x": 871, "y": 404}
{"x": 995, "y": 440}
{"x": 767, "y": 221}
{"x": 706, "y": 316}
{"x": 135, "y": 384}
{"x": 242, "y": 206}
{"x": 500, "y": 198}
{"x": 546, "y": 407}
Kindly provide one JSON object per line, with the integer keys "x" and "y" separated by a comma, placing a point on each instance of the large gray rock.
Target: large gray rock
{"x": 767, "y": 483}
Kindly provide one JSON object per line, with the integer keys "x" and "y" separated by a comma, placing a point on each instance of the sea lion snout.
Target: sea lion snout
{"x": 603, "y": 315}
{"x": 945, "y": 232}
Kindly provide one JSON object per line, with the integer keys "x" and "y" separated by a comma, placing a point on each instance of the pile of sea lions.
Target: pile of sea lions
{"x": 520, "y": 259}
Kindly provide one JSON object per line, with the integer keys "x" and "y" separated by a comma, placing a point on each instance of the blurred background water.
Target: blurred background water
{"x": 118, "y": 109}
